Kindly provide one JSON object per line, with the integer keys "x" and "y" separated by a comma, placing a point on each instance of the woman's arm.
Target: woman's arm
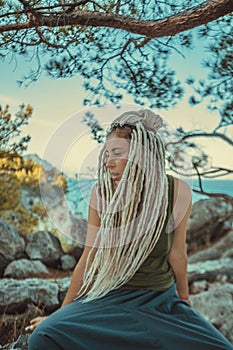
{"x": 178, "y": 256}
{"x": 77, "y": 277}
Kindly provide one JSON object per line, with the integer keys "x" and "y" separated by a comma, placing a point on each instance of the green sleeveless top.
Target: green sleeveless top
{"x": 155, "y": 273}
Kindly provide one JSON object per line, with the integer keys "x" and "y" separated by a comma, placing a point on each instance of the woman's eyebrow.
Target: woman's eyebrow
{"x": 114, "y": 149}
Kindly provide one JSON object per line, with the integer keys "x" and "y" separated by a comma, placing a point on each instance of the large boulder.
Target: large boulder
{"x": 211, "y": 270}
{"x": 16, "y": 294}
{"x": 221, "y": 249}
{"x": 44, "y": 246}
{"x": 76, "y": 251}
{"x": 209, "y": 220}
{"x": 68, "y": 262}
{"x": 63, "y": 285}
{"x": 48, "y": 294}
{"x": 12, "y": 244}
{"x": 25, "y": 268}
{"x": 215, "y": 304}
{"x": 78, "y": 232}
{"x": 72, "y": 229}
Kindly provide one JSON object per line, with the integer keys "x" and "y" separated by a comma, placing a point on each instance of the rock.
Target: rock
{"x": 217, "y": 307}
{"x": 30, "y": 196}
{"x": 76, "y": 251}
{"x": 52, "y": 195}
{"x": 220, "y": 249}
{"x": 210, "y": 219}
{"x": 25, "y": 268}
{"x": 211, "y": 270}
{"x": 71, "y": 228}
{"x": 63, "y": 285}
{"x": 68, "y": 262}
{"x": 44, "y": 246}
{"x": 12, "y": 245}
{"x": 78, "y": 231}
{"x": 228, "y": 253}
{"x": 16, "y": 294}
{"x": 198, "y": 287}
{"x": 20, "y": 344}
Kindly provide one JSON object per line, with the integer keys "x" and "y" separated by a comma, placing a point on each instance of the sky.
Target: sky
{"x": 58, "y": 135}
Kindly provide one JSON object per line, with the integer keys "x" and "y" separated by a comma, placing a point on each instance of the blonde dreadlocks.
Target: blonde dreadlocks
{"x": 133, "y": 214}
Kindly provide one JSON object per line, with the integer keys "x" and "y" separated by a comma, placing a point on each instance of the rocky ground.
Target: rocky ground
{"x": 35, "y": 272}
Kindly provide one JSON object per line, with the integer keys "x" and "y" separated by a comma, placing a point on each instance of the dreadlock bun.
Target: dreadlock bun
{"x": 146, "y": 117}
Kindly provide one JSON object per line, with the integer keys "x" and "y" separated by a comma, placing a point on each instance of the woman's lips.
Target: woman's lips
{"x": 115, "y": 176}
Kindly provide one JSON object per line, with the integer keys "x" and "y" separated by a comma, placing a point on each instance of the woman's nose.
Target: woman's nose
{"x": 110, "y": 163}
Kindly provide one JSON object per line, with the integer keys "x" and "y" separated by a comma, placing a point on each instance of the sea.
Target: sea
{"x": 79, "y": 191}
{"x": 212, "y": 186}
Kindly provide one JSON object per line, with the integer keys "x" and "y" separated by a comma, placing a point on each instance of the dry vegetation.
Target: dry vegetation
{"x": 18, "y": 175}
{"x": 13, "y": 325}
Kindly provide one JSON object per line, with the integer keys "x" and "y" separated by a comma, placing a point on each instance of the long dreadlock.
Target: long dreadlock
{"x": 133, "y": 214}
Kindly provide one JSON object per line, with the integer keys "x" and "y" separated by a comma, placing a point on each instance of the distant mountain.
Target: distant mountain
{"x": 78, "y": 190}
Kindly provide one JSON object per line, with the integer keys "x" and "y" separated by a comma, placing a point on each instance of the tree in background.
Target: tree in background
{"x": 10, "y": 130}
{"x": 123, "y": 46}
{"x": 11, "y": 148}
{"x": 18, "y": 174}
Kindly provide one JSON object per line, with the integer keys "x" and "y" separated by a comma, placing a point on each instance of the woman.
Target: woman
{"x": 129, "y": 288}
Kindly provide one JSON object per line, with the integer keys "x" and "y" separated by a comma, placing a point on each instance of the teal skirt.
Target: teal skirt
{"x": 124, "y": 320}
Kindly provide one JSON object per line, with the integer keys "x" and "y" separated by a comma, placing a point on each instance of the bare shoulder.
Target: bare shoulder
{"x": 93, "y": 191}
{"x": 182, "y": 202}
{"x": 181, "y": 190}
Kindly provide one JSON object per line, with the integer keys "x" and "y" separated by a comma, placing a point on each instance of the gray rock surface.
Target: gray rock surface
{"x": 210, "y": 219}
{"x": 211, "y": 270}
{"x": 216, "y": 305}
{"x": 68, "y": 262}
{"x": 11, "y": 244}
{"x": 63, "y": 285}
{"x": 76, "y": 251}
{"x": 199, "y": 286}
{"x": 44, "y": 246}
{"x": 70, "y": 227}
{"x": 16, "y": 294}
{"x": 220, "y": 249}
{"x": 20, "y": 344}
{"x": 25, "y": 268}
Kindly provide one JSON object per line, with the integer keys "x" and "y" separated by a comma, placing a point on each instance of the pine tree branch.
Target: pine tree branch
{"x": 202, "y": 14}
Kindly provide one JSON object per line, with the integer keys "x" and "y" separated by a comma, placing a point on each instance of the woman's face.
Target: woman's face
{"x": 117, "y": 151}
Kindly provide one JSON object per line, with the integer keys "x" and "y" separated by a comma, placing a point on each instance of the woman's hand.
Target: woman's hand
{"x": 35, "y": 322}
